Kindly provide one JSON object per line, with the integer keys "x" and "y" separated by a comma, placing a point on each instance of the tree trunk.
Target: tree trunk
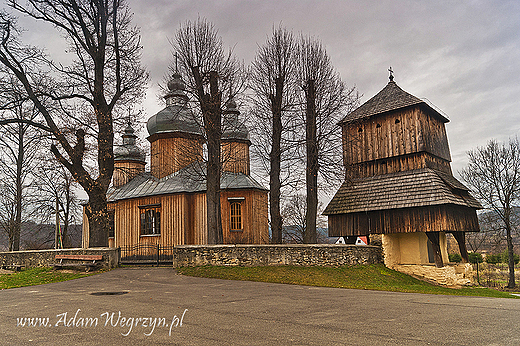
{"x": 97, "y": 214}
{"x": 19, "y": 188}
{"x": 511, "y": 260}
{"x": 275, "y": 158}
{"x": 212, "y": 117}
{"x": 66, "y": 215}
{"x": 310, "y": 236}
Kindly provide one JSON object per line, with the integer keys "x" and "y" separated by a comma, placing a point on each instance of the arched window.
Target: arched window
{"x": 236, "y": 216}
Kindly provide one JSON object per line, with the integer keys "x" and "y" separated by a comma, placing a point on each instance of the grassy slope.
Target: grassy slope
{"x": 36, "y": 276}
{"x": 370, "y": 277}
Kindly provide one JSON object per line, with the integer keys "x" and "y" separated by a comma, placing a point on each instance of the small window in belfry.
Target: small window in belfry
{"x": 397, "y": 121}
{"x": 378, "y": 126}
{"x": 360, "y": 130}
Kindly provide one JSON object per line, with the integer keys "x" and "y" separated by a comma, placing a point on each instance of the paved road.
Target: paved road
{"x": 220, "y": 312}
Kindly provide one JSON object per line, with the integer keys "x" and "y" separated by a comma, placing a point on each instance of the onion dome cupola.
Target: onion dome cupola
{"x": 175, "y": 134}
{"x": 235, "y": 141}
{"x": 129, "y": 150}
{"x": 232, "y": 128}
{"x": 176, "y": 117}
{"x": 129, "y": 159}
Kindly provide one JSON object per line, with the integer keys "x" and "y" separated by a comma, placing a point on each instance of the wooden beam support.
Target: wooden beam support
{"x": 434, "y": 238}
{"x": 460, "y": 237}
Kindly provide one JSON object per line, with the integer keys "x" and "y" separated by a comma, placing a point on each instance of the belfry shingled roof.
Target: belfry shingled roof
{"x": 391, "y": 98}
{"x": 408, "y": 189}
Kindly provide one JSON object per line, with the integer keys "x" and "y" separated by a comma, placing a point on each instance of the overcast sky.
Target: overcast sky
{"x": 463, "y": 56}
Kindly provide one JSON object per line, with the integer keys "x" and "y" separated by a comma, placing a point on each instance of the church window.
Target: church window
{"x": 235, "y": 213}
{"x": 150, "y": 219}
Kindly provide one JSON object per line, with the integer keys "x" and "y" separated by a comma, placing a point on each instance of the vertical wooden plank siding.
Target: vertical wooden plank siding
{"x": 235, "y": 157}
{"x": 200, "y": 219}
{"x": 395, "y": 142}
{"x": 443, "y": 218}
{"x": 170, "y": 154}
{"x": 125, "y": 170}
{"x": 254, "y": 217}
{"x": 183, "y": 219}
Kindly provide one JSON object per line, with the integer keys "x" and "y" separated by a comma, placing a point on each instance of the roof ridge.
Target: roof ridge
{"x": 390, "y": 98}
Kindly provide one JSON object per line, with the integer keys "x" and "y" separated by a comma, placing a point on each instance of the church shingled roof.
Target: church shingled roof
{"x": 391, "y": 98}
{"x": 189, "y": 179}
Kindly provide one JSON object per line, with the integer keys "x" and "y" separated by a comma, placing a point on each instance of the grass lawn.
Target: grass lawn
{"x": 37, "y": 276}
{"x": 367, "y": 277}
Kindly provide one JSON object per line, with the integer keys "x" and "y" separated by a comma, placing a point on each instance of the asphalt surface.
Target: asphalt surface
{"x": 95, "y": 311}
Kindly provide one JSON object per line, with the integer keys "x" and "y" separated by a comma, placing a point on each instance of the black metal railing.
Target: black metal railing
{"x": 147, "y": 254}
{"x": 494, "y": 275}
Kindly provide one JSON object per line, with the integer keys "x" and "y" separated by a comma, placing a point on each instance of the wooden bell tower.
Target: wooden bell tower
{"x": 399, "y": 181}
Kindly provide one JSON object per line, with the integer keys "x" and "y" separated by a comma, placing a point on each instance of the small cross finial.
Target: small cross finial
{"x": 391, "y": 74}
{"x": 176, "y": 63}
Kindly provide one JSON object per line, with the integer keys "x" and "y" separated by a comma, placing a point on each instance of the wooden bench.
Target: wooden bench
{"x": 14, "y": 267}
{"x": 92, "y": 261}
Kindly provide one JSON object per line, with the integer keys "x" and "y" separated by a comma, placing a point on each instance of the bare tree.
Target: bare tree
{"x": 491, "y": 236}
{"x": 325, "y": 99}
{"x": 78, "y": 101}
{"x": 56, "y": 197}
{"x": 19, "y": 147}
{"x": 493, "y": 174}
{"x": 214, "y": 76}
{"x": 273, "y": 80}
{"x": 294, "y": 213}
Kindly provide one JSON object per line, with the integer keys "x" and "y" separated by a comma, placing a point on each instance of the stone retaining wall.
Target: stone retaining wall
{"x": 45, "y": 258}
{"x": 231, "y": 255}
{"x": 285, "y": 254}
{"x": 453, "y": 274}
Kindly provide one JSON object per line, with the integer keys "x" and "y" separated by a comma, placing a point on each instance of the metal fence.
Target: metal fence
{"x": 494, "y": 275}
{"x": 147, "y": 254}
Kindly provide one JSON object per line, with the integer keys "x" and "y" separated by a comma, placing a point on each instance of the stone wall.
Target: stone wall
{"x": 453, "y": 274}
{"x": 286, "y": 254}
{"x": 239, "y": 255}
{"x": 45, "y": 258}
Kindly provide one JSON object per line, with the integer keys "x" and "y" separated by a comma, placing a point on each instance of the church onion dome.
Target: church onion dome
{"x": 129, "y": 150}
{"x": 232, "y": 128}
{"x": 176, "y": 117}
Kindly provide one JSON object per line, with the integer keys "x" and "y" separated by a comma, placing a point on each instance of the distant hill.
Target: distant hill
{"x": 41, "y": 236}
{"x": 293, "y": 234}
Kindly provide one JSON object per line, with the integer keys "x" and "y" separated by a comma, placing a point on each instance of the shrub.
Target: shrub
{"x": 475, "y": 257}
{"x": 505, "y": 257}
{"x": 494, "y": 259}
{"x": 455, "y": 257}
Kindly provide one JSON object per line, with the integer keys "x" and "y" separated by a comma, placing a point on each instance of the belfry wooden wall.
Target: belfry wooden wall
{"x": 395, "y": 140}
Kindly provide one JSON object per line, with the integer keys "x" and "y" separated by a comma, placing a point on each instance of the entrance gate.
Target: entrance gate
{"x": 147, "y": 254}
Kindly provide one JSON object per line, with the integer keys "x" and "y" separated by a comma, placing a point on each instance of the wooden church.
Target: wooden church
{"x": 399, "y": 181}
{"x": 167, "y": 204}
